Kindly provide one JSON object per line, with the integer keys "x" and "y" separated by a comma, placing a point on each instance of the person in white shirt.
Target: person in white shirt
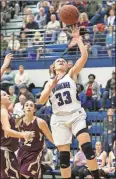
{"x": 111, "y": 18}
{"x": 13, "y": 44}
{"x": 47, "y": 160}
{"x": 53, "y": 24}
{"x": 18, "y": 108}
{"x": 53, "y": 27}
{"x": 21, "y": 77}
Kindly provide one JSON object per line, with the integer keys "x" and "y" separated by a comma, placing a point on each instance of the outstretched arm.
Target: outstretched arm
{"x": 47, "y": 91}
{"x": 6, "y": 63}
{"x": 7, "y": 128}
{"x": 84, "y": 54}
{"x": 44, "y": 127}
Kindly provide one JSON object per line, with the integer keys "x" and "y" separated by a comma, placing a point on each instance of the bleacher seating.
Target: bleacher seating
{"x": 46, "y": 59}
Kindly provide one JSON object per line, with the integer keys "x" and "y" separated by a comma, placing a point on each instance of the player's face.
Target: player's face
{"x": 29, "y": 107}
{"x": 98, "y": 146}
{"x": 5, "y": 99}
{"x": 110, "y": 112}
{"x": 61, "y": 65}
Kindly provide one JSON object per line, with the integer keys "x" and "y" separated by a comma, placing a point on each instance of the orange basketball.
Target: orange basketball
{"x": 69, "y": 14}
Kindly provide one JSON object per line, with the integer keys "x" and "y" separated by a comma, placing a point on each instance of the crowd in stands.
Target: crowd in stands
{"x": 97, "y": 29}
{"x": 98, "y": 32}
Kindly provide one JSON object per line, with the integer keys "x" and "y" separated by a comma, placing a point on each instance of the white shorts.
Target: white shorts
{"x": 63, "y": 127}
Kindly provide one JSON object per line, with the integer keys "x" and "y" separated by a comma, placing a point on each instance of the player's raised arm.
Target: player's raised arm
{"x": 47, "y": 91}
{"x": 44, "y": 127}
{"x": 6, "y": 63}
{"x": 84, "y": 54}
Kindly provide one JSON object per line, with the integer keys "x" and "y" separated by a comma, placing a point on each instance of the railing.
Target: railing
{"x": 48, "y": 46}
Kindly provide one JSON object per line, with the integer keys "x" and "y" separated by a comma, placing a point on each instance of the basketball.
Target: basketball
{"x": 69, "y": 14}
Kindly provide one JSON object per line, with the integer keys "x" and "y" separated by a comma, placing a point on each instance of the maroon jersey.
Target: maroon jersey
{"x": 37, "y": 142}
{"x": 30, "y": 152}
{"x": 9, "y": 142}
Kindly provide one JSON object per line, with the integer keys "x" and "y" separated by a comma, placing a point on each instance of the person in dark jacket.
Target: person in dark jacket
{"x": 92, "y": 8}
{"x": 109, "y": 130}
{"x": 79, "y": 6}
{"x": 24, "y": 91}
{"x": 108, "y": 91}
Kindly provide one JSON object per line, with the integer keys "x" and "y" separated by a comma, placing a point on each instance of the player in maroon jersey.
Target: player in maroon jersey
{"x": 30, "y": 152}
{"x": 9, "y": 140}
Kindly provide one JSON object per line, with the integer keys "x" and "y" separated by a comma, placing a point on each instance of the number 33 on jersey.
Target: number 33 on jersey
{"x": 63, "y": 96}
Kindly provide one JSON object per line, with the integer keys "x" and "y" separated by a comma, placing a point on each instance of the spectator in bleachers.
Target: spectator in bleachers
{"x": 13, "y": 44}
{"x": 24, "y": 91}
{"x": 111, "y": 20}
{"x": 40, "y": 4}
{"x": 92, "y": 90}
{"x": 113, "y": 94}
{"x": 51, "y": 12}
{"x": 18, "y": 107}
{"x": 31, "y": 25}
{"x": 99, "y": 39}
{"x": 41, "y": 17}
{"x": 11, "y": 92}
{"x": 92, "y": 8}
{"x": 79, "y": 6}
{"x": 109, "y": 130}
{"x": 107, "y": 93}
{"x": 80, "y": 165}
{"x": 52, "y": 28}
{"x": 83, "y": 23}
{"x": 3, "y": 45}
{"x": 62, "y": 38}
{"x": 110, "y": 40}
{"x": 45, "y": 5}
{"x": 110, "y": 167}
{"x": 21, "y": 77}
{"x": 27, "y": 11}
{"x": 23, "y": 44}
{"x": 112, "y": 160}
{"x": 5, "y": 11}
{"x": 81, "y": 96}
{"x": 15, "y": 8}
{"x": 70, "y": 64}
{"x": 47, "y": 161}
{"x": 7, "y": 79}
{"x": 83, "y": 20}
{"x": 37, "y": 38}
{"x": 87, "y": 42}
{"x": 101, "y": 155}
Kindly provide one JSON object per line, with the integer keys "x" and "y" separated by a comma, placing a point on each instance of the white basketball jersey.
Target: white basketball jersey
{"x": 63, "y": 96}
{"x": 113, "y": 159}
{"x": 99, "y": 158}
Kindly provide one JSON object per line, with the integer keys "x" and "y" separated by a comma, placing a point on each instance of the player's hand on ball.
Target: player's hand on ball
{"x": 28, "y": 136}
{"x": 75, "y": 31}
{"x": 7, "y": 60}
{"x": 75, "y": 36}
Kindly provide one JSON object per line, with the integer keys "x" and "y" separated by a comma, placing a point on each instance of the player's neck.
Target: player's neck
{"x": 4, "y": 107}
{"x": 29, "y": 118}
{"x": 60, "y": 73}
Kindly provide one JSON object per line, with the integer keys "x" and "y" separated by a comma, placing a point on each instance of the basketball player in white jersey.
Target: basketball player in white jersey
{"x": 111, "y": 167}
{"x": 68, "y": 117}
{"x": 100, "y": 155}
